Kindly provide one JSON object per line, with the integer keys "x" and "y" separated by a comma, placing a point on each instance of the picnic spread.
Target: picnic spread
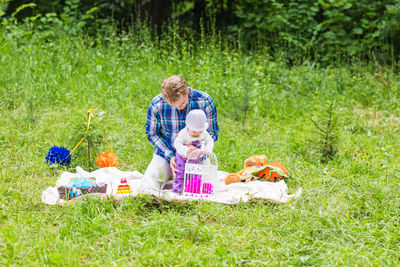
{"x": 259, "y": 179}
{"x": 111, "y": 177}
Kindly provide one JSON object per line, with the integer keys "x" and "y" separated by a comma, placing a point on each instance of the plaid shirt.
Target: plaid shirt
{"x": 164, "y": 122}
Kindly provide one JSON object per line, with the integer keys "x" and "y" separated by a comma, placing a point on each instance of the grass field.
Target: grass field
{"x": 349, "y": 213}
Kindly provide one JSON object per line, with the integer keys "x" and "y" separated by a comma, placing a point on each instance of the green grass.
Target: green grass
{"x": 350, "y": 208}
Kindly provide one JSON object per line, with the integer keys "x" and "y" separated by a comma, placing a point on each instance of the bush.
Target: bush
{"x": 323, "y": 30}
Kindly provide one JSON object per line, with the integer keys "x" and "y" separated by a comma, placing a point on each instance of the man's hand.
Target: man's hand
{"x": 173, "y": 165}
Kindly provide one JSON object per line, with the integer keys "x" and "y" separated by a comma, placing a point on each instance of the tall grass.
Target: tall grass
{"x": 347, "y": 215}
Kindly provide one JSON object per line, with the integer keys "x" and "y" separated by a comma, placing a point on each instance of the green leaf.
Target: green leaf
{"x": 358, "y": 31}
{"x": 22, "y": 7}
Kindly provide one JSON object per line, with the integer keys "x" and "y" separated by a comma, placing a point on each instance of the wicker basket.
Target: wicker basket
{"x": 69, "y": 193}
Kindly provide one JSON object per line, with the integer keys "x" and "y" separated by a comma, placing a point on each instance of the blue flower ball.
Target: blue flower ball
{"x": 58, "y": 154}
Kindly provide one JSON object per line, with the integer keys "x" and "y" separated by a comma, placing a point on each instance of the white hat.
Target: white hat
{"x": 196, "y": 120}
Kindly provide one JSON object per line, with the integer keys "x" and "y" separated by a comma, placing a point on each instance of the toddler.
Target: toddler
{"x": 189, "y": 139}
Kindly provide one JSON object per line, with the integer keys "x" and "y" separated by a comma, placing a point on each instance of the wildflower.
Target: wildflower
{"x": 101, "y": 114}
{"x": 234, "y": 59}
{"x": 259, "y": 67}
{"x": 331, "y": 76}
{"x": 354, "y": 77}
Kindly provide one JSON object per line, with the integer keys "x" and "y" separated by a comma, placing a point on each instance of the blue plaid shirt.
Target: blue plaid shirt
{"x": 164, "y": 122}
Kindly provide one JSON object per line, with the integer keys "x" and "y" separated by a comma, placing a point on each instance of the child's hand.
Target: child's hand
{"x": 190, "y": 150}
{"x": 191, "y": 146}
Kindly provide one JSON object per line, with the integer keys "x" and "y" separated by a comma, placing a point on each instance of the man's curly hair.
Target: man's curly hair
{"x": 173, "y": 88}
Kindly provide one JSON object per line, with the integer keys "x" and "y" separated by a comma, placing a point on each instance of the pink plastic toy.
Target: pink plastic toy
{"x": 200, "y": 174}
{"x": 194, "y": 185}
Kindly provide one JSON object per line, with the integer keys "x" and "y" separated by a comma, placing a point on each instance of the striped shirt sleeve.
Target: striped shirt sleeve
{"x": 211, "y": 113}
{"x": 154, "y": 133}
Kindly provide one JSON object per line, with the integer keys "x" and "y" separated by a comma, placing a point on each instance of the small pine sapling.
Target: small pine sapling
{"x": 328, "y": 136}
{"x": 93, "y": 140}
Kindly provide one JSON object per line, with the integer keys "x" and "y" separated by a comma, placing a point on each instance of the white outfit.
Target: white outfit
{"x": 184, "y": 138}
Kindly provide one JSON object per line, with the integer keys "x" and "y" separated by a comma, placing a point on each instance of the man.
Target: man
{"x": 165, "y": 118}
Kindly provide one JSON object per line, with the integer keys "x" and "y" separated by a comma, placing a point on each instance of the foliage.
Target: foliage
{"x": 354, "y": 27}
{"x": 323, "y": 30}
{"x": 50, "y": 25}
{"x": 277, "y": 23}
{"x": 120, "y": 8}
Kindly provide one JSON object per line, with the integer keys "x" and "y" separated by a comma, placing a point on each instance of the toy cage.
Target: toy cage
{"x": 201, "y": 177}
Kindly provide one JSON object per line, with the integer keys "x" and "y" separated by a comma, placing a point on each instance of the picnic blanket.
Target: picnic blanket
{"x": 226, "y": 194}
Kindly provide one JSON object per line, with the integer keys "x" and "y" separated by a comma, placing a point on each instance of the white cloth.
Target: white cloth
{"x": 226, "y": 194}
{"x": 184, "y": 138}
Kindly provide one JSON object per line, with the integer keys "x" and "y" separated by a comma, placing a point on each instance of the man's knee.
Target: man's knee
{"x": 158, "y": 172}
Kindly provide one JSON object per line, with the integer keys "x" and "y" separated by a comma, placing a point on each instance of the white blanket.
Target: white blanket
{"x": 226, "y": 194}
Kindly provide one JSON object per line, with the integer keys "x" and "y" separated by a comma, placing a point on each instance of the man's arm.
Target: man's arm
{"x": 211, "y": 113}
{"x": 154, "y": 134}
